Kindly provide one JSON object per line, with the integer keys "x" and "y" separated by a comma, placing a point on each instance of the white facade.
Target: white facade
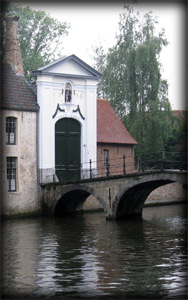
{"x": 51, "y": 86}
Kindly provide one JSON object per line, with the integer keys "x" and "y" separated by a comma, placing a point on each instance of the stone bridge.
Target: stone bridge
{"x": 121, "y": 196}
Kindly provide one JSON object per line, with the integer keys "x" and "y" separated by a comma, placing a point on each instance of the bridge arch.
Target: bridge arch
{"x": 130, "y": 199}
{"x": 71, "y": 199}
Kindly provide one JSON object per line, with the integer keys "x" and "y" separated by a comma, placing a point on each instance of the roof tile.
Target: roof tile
{"x": 109, "y": 127}
{"x": 16, "y": 93}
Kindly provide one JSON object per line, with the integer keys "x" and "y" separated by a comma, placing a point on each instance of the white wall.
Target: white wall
{"x": 49, "y": 94}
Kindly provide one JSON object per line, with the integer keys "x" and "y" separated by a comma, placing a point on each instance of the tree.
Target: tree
{"x": 99, "y": 64}
{"x": 40, "y": 37}
{"x": 177, "y": 141}
{"x": 133, "y": 83}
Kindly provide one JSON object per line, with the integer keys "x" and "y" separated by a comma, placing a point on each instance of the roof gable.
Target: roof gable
{"x": 109, "y": 127}
{"x": 69, "y": 65}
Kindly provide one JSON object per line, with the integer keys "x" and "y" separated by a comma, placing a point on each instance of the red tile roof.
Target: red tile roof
{"x": 109, "y": 127}
{"x": 16, "y": 92}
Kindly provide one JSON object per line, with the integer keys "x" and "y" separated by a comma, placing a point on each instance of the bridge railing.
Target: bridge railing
{"x": 100, "y": 168}
{"x": 162, "y": 160}
{"x": 111, "y": 167}
{"x": 120, "y": 166}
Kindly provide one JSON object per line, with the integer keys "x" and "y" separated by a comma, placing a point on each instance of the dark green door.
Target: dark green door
{"x": 67, "y": 149}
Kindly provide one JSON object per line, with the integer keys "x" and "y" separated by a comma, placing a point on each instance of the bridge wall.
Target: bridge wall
{"x": 172, "y": 192}
{"x": 120, "y": 196}
{"x": 132, "y": 196}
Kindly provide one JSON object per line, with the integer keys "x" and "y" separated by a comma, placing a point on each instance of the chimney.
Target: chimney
{"x": 12, "y": 52}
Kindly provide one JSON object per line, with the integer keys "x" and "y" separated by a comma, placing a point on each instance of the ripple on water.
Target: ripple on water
{"x": 89, "y": 256}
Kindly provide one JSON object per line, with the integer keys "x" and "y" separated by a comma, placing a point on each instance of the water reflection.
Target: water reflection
{"x": 88, "y": 256}
{"x": 19, "y": 250}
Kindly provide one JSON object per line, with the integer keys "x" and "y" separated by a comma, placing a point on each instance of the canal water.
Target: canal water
{"x": 88, "y": 257}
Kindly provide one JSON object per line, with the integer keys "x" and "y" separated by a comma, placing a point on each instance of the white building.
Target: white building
{"x": 50, "y": 133}
{"x": 67, "y": 127}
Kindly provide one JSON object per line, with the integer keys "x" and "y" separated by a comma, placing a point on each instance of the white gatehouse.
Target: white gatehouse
{"x": 67, "y": 127}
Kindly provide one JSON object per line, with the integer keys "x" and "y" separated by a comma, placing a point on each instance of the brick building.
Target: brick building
{"x": 19, "y": 111}
{"x": 113, "y": 142}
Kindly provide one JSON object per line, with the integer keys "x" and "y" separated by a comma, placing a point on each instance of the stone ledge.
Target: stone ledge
{"x": 163, "y": 202}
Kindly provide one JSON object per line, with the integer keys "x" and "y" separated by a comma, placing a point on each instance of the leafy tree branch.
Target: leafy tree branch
{"x": 40, "y": 36}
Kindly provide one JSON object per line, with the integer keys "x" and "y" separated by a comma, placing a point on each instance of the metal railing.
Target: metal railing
{"x": 120, "y": 166}
{"x": 162, "y": 160}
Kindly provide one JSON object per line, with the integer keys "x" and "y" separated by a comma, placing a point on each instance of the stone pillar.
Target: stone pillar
{"x": 12, "y": 52}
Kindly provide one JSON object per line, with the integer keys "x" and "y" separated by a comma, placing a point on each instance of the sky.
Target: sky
{"x": 94, "y": 23}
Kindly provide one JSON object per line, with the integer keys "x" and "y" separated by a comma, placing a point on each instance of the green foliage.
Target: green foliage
{"x": 177, "y": 141}
{"x": 99, "y": 61}
{"x": 133, "y": 84}
{"x": 40, "y": 37}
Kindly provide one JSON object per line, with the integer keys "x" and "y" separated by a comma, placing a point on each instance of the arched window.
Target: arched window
{"x": 68, "y": 92}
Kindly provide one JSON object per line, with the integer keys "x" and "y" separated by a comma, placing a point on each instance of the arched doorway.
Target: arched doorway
{"x": 67, "y": 149}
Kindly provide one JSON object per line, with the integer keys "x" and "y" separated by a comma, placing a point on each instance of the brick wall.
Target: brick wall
{"x": 115, "y": 156}
{"x": 12, "y": 52}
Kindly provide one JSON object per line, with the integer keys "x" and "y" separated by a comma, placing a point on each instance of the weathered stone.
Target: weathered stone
{"x": 116, "y": 203}
{"x": 25, "y": 198}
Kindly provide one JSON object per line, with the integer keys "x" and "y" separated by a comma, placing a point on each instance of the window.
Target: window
{"x": 132, "y": 149}
{"x": 11, "y": 174}
{"x": 105, "y": 156}
{"x": 10, "y": 131}
{"x": 68, "y": 92}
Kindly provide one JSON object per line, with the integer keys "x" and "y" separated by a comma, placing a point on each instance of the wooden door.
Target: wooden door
{"x": 67, "y": 149}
